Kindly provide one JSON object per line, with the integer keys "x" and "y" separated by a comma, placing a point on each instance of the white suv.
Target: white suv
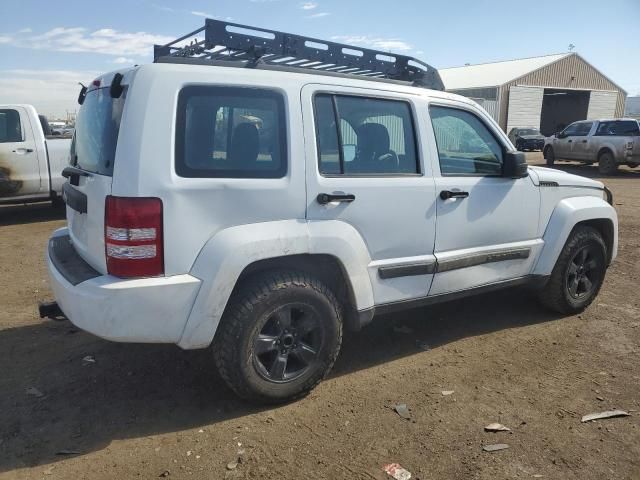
{"x": 258, "y": 205}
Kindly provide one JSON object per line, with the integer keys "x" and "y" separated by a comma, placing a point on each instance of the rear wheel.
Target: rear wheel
{"x": 279, "y": 337}
{"x": 578, "y": 274}
{"x": 550, "y": 156}
{"x": 607, "y": 164}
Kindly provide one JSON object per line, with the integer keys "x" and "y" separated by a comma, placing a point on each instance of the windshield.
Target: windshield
{"x": 529, "y": 131}
{"x": 96, "y": 135}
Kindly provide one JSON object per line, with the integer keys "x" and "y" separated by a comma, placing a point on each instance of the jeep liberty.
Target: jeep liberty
{"x": 260, "y": 193}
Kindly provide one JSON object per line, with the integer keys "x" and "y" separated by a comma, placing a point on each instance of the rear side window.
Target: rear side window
{"x": 10, "y": 128}
{"x": 364, "y": 136}
{"x": 230, "y": 132}
{"x": 96, "y": 135}
{"x": 625, "y": 128}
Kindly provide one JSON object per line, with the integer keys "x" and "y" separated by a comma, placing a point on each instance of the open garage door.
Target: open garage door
{"x": 561, "y": 107}
{"x": 602, "y": 105}
{"x": 525, "y": 105}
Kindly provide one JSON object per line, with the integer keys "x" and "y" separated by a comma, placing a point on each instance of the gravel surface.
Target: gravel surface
{"x": 150, "y": 411}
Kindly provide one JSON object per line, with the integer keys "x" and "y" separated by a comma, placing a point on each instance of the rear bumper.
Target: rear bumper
{"x": 145, "y": 310}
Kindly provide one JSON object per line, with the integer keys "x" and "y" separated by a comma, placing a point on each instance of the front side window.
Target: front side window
{"x": 571, "y": 129}
{"x": 230, "y": 132}
{"x": 465, "y": 144}
{"x": 364, "y": 136}
{"x": 10, "y": 128}
{"x": 583, "y": 129}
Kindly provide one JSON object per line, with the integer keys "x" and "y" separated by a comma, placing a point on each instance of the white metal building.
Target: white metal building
{"x": 632, "y": 107}
{"x": 546, "y": 92}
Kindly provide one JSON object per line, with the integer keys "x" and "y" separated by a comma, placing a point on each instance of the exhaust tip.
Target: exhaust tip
{"x": 51, "y": 310}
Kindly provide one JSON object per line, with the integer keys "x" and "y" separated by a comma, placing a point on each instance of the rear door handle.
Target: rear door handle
{"x": 447, "y": 194}
{"x": 584, "y": 141}
{"x": 569, "y": 141}
{"x": 22, "y": 151}
{"x": 324, "y": 198}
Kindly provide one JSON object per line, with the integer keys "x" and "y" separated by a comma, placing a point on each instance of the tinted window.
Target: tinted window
{"x": 623, "y": 128}
{"x": 10, "y": 129}
{"x": 583, "y": 129}
{"x": 465, "y": 144}
{"x": 230, "y": 132}
{"x": 529, "y": 131}
{"x": 571, "y": 129}
{"x": 374, "y": 136}
{"x": 96, "y": 135}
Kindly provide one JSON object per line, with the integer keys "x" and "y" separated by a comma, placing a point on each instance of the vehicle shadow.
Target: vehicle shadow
{"x": 30, "y": 213}
{"x": 132, "y": 391}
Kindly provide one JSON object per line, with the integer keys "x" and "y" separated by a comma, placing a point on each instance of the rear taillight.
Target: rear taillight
{"x": 133, "y": 236}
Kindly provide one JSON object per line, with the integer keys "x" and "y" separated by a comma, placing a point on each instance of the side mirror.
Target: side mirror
{"x": 515, "y": 165}
{"x": 560, "y": 135}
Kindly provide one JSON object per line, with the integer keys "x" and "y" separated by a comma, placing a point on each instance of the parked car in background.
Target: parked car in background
{"x": 608, "y": 143}
{"x": 211, "y": 203}
{"x": 31, "y": 158}
{"x": 526, "y": 139}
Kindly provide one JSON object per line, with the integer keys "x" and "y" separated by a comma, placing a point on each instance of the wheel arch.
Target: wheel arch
{"x": 569, "y": 213}
{"x": 606, "y": 228}
{"x": 327, "y": 268}
{"x": 235, "y": 253}
{"x": 603, "y": 150}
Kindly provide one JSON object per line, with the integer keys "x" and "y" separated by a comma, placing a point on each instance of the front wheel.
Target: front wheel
{"x": 279, "y": 337}
{"x": 578, "y": 273}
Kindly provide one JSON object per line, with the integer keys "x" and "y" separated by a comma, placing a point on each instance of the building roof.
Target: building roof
{"x": 494, "y": 74}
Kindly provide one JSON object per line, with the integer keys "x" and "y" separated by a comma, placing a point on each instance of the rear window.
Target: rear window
{"x": 96, "y": 135}
{"x": 230, "y": 132}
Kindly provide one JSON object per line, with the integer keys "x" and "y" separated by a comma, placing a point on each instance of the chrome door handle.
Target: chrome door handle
{"x": 22, "y": 151}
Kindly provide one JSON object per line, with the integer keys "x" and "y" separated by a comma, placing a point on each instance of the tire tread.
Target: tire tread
{"x": 241, "y": 305}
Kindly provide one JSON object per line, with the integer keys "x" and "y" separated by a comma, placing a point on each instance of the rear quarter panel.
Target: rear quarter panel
{"x": 195, "y": 209}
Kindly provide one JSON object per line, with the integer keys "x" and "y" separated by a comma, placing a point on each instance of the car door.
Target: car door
{"x": 486, "y": 224}
{"x": 19, "y": 168}
{"x": 364, "y": 168}
{"x": 563, "y": 144}
{"x": 580, "y": 145}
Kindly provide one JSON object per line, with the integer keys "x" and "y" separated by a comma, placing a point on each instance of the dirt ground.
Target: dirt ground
{"x": 145, "y": 411}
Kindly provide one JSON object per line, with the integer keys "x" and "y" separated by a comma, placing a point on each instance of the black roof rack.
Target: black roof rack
{"x": 258, "y": 47}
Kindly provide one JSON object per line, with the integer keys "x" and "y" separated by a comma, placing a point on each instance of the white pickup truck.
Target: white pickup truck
{"x": 31, "y": 161}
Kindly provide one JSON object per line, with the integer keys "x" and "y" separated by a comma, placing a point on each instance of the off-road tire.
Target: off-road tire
{"x": 607, "y": 164}
{"x": 550, "y": 156}
{"x": 250, "y": 307}
{"x": 555, "y": 295}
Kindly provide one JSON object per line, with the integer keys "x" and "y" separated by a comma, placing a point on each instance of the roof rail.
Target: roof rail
{"x": 255, "y": 47}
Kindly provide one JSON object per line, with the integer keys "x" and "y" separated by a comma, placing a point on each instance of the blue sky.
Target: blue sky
{"x": 47, "y": 47}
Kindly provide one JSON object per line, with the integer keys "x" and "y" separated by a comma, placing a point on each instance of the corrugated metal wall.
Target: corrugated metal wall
{"x": 485, "y": 97}
{"x": 393, "y": 125}
{"x": 558, "y": 75}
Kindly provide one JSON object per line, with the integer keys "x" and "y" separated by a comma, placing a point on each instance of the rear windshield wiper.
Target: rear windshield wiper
{"x": 70, "y": 171}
